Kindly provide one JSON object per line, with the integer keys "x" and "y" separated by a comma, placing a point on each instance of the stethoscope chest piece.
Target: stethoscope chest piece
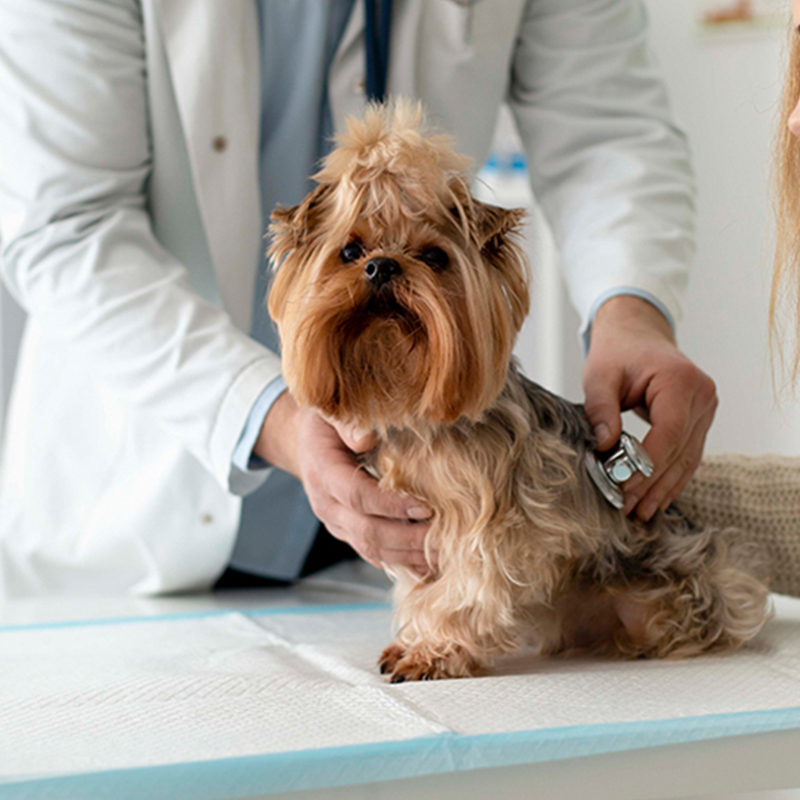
{"x": 611, "y": 469}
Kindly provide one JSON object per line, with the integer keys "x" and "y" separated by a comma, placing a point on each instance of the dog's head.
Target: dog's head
{"x": 397, "y": 296}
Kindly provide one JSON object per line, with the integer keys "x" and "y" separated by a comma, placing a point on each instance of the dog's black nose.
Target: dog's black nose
{"x": 380, "y": 271}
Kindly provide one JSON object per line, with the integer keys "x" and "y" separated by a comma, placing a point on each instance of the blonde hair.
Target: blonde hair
{"x": 784, "y": 302}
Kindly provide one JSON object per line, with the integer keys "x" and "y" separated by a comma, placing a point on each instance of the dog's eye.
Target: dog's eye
{"x": 435, "y": 258}
{"x": 351, "y": 252}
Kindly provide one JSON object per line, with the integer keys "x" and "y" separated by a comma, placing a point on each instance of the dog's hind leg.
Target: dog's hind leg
{"x": 583, "y": 618}
{"x": 688, "y": 596}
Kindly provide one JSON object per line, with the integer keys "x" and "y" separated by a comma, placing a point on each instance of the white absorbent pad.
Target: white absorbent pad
{"x": 196, "y": 706}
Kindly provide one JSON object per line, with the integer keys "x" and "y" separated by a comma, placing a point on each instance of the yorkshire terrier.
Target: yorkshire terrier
{"x": 398, "y": 297}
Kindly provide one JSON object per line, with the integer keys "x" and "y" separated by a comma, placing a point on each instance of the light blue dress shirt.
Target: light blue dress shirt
{"x": 299, "y": 39}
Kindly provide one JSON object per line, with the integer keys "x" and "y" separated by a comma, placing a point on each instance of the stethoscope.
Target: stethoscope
{"x": 611, "y": 469}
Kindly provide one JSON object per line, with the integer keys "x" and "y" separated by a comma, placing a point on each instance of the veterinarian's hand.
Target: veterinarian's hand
{"x": 634, "y": 363}
{"x": 382, "y": 527}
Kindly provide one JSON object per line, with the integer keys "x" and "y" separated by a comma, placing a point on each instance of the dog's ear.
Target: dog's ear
{"x": 291, "y": 227}
{"x": 494, "y": 226}
{"x": 497, "y": 231}
{"x": 294, "y": 231}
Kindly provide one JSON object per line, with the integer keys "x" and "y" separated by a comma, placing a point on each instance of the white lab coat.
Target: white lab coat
{"x": 131, "y": 230}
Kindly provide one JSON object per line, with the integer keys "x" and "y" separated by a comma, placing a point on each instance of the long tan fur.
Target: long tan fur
{"x": 527, "y": 549}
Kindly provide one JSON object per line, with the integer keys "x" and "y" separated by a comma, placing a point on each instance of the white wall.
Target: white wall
{"x": 725, "y": 95}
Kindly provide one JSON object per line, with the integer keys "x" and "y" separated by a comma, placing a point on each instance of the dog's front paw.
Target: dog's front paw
{"x": 420, "y": 664}
{"x": 389, "y": 658}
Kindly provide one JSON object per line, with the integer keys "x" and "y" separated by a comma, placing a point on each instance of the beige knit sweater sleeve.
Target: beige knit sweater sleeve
{"x": 761, "y": 497}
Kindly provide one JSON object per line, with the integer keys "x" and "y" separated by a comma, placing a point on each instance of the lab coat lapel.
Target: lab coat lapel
{"x": 346, "y": 79}
{"x": 213, "y": 52}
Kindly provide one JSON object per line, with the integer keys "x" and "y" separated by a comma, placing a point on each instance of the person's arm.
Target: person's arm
{"x": 755, "y": 502}
{"x": 79, "y": 251}
{"x": 612, "y": 173}
{"x": 80, "y": 255}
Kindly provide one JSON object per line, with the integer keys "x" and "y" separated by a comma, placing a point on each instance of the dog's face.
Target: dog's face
{"x": 397, "y": 296}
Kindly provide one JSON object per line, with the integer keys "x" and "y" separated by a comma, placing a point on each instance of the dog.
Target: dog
{"x": 398, "y": 298}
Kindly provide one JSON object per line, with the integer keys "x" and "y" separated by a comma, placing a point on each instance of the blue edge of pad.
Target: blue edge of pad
{"x": 271, "y": 773}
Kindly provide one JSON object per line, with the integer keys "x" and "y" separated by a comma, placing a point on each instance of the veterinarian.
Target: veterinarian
{"x": 143, "y": 144}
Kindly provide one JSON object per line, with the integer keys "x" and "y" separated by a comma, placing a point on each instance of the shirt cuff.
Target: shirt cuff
{"x": 630, "y": 291}
{"x": 243, "y": 458}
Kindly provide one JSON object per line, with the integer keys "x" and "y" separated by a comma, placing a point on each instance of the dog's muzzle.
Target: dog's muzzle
{"x": 611, "y": 469}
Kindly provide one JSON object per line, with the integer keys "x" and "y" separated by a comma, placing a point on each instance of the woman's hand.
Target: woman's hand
{"x": 634, "y": 363}
{"x": 382, "y": 527}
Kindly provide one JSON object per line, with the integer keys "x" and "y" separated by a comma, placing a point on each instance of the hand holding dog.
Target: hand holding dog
{"x": 383, "y": 527}
{"x": 634, "y": 363}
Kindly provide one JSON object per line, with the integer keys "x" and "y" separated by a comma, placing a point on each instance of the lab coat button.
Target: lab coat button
{"x": 360, "y": 86}
{"x": 220, "y": 144}
{"x": 207, "y": 519}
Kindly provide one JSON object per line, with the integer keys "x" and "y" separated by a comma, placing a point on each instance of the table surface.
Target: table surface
{"x": 734, "y": 764}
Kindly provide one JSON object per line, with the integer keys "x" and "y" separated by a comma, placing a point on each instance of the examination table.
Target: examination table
{"x": 276, "y": 693}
